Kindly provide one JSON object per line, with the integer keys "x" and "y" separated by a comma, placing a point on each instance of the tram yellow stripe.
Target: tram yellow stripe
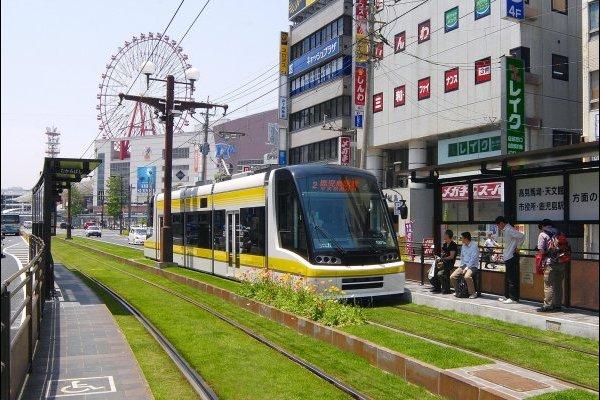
{"x": 255, "y": 195}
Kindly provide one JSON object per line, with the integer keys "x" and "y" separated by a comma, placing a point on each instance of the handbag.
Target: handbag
{"x": 431, "y": 272}
{"x": 539, "y": 264}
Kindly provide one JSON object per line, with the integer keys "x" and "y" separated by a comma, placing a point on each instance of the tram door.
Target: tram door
{"x": 233, "y": 244}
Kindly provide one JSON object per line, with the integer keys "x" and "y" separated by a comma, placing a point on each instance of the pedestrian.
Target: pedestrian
{"x": 554, "y": 269}
{"x": 488, "y": 249}
{"x": 469, "y": 263}
{"x": 513, "y": 239}
{"x": 441, "y": 279}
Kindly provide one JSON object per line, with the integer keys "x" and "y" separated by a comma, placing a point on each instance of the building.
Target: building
{"x": 142, "y": 167}
{"x": 589, "y": 36}
{"x": 319, "y": 81}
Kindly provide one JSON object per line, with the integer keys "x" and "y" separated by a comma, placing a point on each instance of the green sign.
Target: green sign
{"x": 482, "y": 8}
{"x": 515, "y": 105}
{"x": 451, "y": 19}
{"x": 477, "y": 146}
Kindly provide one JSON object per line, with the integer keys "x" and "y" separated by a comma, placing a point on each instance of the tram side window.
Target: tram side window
{"x": 219, "y": 238}
{"x": 191, "y": 229}
{"x": 290, "y": 225}
{"x": 204, "y": 229}
{"x": 178, "y": 229}
{"x": 252, "y": 221}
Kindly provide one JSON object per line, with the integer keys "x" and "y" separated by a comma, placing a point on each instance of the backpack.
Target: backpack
{"x": 559, "y": 248}
{"x": 461, "y": 290}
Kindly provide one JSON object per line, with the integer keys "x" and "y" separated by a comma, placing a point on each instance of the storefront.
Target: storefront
{"x": 552, "y": 183}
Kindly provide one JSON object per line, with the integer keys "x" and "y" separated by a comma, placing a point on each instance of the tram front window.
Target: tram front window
{"x": 345, "y": 213}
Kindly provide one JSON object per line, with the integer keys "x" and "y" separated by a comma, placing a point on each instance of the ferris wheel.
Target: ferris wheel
{"x": 128, "y": 119}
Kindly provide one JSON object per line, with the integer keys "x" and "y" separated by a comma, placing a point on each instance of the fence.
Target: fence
{"x": 580, "y": 285}
{"x": 20, "y": 325}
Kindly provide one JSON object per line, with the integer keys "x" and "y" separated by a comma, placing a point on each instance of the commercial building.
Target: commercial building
{"x": 590, "y": 95}
{"x": 318, "y": 94}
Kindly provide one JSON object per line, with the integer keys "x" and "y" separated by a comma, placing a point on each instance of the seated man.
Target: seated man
{"x": 441, "y": 278}
{"x": 469, "y": 263}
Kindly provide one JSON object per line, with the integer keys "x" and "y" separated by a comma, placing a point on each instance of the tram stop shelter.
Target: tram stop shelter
{"x": 560, "y": 184}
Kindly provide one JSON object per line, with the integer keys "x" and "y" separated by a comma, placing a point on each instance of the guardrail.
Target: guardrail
{"x": 18, "y": 338}
{"x": 581, "y": 282}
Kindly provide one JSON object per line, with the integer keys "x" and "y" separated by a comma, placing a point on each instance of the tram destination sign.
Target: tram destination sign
{"x": 514, "y": 105}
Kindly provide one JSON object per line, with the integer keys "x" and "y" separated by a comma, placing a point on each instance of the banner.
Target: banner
{"x": 360, "y": 85}
{"x": 515, "y": 9}
{"x": 455, "y": 193}
{"x": 146, "y": 179}
{"x": 345, "y": 150}
{"x": 316, "y": 56}
{"x": 514, "y": 75}
{"x": 489, "y": 191}
{"x": 283, "y": 53}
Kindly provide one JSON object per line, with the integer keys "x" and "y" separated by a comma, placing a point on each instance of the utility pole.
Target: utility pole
{"x": 169, "y": 108}
{"x": 204, "y": 150}
{"x": 370, "y": 80}
{"x": 129, "y": 210}
{"x": 121, "y": 205}
{"x": 69, "y": 211}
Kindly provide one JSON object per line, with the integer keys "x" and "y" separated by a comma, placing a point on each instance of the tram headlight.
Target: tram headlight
{"x": 326, "y": 259}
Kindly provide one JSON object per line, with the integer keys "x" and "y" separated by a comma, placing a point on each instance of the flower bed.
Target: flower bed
{"x": 295, "y": 295}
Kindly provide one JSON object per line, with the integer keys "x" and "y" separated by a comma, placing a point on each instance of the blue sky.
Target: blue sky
{"x": 54, "y": 52}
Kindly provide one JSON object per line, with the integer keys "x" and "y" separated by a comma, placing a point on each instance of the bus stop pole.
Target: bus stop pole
{"x": 69, "y": 211}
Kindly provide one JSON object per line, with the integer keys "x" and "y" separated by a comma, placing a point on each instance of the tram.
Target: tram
{"x": 325, "y": 223}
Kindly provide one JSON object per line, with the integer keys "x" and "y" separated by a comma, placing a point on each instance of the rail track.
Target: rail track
{"x": 353, "y": 393}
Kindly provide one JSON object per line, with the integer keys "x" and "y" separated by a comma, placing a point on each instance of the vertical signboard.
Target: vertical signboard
{"x": 451, "y": 19}
{"x": 283, "y": 53}
{"x": 515, "y": 9}
{"x": 424, "y": 88}
{"x": 377, "y": 103}
{"x": 345, "y": 150}
{"x": 146, "y": 179}
{"x": 360, "y": 85}
{"x": 451, "y": 80}
{"x": 483, "y": 70}
{"x": 400, "y": 42}
{"x": 424, "y": 31}
{"x": 514, "y": 105}
{"x": 482, "y": 9}
{"x": 400, "y": 96}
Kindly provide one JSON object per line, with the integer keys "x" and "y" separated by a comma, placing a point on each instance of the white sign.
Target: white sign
{"x": 540, "y": 198}
{"x": 583, "y": 196}
{"x": 80, "y": 386}
{"x": 471, "y": 147}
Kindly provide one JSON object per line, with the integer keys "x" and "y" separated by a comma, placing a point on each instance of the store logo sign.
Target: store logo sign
{"x": 515, "y": 9}
{"x": 377, "y": 103}
{"x": 400, "y": 42}
{"x": 400, "y": 96}
{"x": 451, "y": 19}
{"x": 424, "y": 31}
{"x": 515, "y": 105}
{"x": 321, "y": 54}
{"x": 424, "y": 88}
{"x": 483, "y": 70}
{"x": 451, "y": 80}
{"x": 360, "y": 85}
{"x": 345, "y": 150}
{"x": 483, "y": 8}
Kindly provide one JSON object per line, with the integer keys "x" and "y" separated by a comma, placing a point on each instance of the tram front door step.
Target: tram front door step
{"x": 509, "y": 380}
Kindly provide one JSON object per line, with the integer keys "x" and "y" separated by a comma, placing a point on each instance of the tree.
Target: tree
{"x": 77, "y": 202}
{"x": 113, "y": 197}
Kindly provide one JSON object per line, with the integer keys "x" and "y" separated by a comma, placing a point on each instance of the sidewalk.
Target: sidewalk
{"x": 570, "y": 321}
{"x": 82, "y": 354}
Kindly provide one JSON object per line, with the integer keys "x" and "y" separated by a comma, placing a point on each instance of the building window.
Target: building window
{"x": 341, "y": 26}
{"x": 594, "y": 95}
{"x": 315, "y": 115}
{"x": 179, "y": 152}
{"x": 323, "y": 74}
{"x": 522, "y": 53}
{"x": 326, "y": 150}
{"x": 593, "y": 16}
{"x": 560, "y": 6}
{"x": 290, "y": 222}
{"x": 120, "y": 169}
{"x": 564, "y": 138}
{"x": 219, "y": 232}
{"x": 560, "y": 67}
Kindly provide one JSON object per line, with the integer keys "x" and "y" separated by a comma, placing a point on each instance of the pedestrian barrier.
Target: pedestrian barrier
{"x": 18, "y": 339}
{"x": 581, "y": 284}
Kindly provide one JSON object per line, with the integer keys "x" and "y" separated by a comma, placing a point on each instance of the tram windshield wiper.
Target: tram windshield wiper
{"x": 335, "y": 243}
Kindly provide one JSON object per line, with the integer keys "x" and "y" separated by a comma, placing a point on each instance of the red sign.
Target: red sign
{"x": 428, "y": 247}
{"x": 408, "y": 231}
{"x": 379, "y": 51}
{"x": 345, "y": 150}
{"x": 483, "y": 70}
{"x": 455, "y": 193}
{"x": 400, "y": 42}
{"x": 360, "y": 85}
{"x": 424, "y": 88}
{"x": 399, "y": 96}
{"x": 424, "y": 31}
{"x": 488, "y": 191}
{"x": 246, "y": 168}
{"x": 362, "y": 10}
{"x": 377, "y": 102}
{"x": 451, "y": 80}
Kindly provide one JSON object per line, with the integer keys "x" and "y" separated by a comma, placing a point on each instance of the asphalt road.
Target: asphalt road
{"x": 108, "y": 236}
{"x": 16, "y": 255}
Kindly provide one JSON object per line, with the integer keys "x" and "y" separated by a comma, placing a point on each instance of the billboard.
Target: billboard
{"x": 146, "y": 179}
{"x": 325, "y": 52}
{"x": 283, "y": 53}
{"x": 297, "y": 6}
{"x": 514, "y": 105}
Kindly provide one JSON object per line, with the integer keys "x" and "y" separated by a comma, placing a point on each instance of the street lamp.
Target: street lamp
{"x": 169, "y": 109}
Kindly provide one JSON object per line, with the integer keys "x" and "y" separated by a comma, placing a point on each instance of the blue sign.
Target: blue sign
{"x": 146, "y": 179}
{"x": 515, "y": 9}
{"x": 282, "y": 157}
{"x": 316, "y": 56}
{"x": 224, "y": 150}
{"x": 358, "y": 121}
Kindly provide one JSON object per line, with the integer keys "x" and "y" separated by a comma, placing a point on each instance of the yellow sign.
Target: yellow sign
{"x": 295, "y": 6}
{"x": 283, "y": 53}
{"x": 362, "y": 48}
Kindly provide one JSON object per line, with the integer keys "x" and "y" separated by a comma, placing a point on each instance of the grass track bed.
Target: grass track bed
{"x": 572, "y": 394}
{"x": 236, "y": 366}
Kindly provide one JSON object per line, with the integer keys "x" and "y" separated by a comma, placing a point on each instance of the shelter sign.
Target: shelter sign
{"x": 583, "y": 196}
{"x": 539, "y": 198}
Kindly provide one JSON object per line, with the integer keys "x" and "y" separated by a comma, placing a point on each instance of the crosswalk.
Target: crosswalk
{"x": 20, "y": 251}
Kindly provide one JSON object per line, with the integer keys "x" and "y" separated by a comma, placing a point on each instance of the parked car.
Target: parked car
{"x": 93, "y": 230}
{"x": 137, "y": 235}
{"x": 88, "y": 224}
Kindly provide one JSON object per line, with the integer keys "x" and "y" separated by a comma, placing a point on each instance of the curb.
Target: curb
{"x": 433, "y": 379}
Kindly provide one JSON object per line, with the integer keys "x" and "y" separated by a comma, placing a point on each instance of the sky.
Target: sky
{"x": 53, "y": 54}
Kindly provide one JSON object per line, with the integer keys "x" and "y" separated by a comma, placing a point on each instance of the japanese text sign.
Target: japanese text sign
{"x": 345, "y": 150}
{"x": 400, "y": 42}
{"x": 539, "y": 198}
{"x": 424, "y": 88}
{"x": 583, "y": 197}
{"x": 451, "y": 80}
{"x": 424, "y": 31}
{"x": 360, "y": 85}
{"x": 377, "y": 102}
{"x": 483, "y": 70}
{"x": 515, "y": 105}
{"x": 455, "y": 193}
{"x": 400, "y": 96}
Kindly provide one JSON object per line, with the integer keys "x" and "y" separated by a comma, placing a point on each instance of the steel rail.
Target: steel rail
{"x": 396, "y": 329}
{"x": 261, "y": 339}
{"x": 199, "y": 385}
{"x": 500, "y": 331}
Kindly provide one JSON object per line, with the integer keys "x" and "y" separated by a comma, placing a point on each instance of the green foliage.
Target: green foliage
{"x": 295, "y": 295}
{"x": 113, "y": 197}
{"x": 77, "y": 203}
{"x": 570, "y": 394}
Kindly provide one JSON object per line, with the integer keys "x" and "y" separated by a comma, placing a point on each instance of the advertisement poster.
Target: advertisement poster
{"x": 146, "y": 179}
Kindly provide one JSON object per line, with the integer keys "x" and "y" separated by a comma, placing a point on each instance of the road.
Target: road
{"x": 16, "y": 255}
{"x": 108, "y": 236}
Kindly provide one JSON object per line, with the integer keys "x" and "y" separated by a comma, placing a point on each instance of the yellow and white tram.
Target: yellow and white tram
{"x": 321, "y": 222}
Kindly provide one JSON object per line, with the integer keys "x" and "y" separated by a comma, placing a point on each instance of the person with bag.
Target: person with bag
{"x": 469, "y": 263}
{"x": 513, "y": 239}
{"x": 488, "y": 250}
{"x": 444, "y": 264}
{"x": 553, "y": 255}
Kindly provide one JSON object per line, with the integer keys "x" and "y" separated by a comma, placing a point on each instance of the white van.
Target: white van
{"x": 137, "y": 235}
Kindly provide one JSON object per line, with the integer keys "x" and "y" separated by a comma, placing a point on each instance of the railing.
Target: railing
{"x": 20, "y": 327}
{"x": 581, "y": 282}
